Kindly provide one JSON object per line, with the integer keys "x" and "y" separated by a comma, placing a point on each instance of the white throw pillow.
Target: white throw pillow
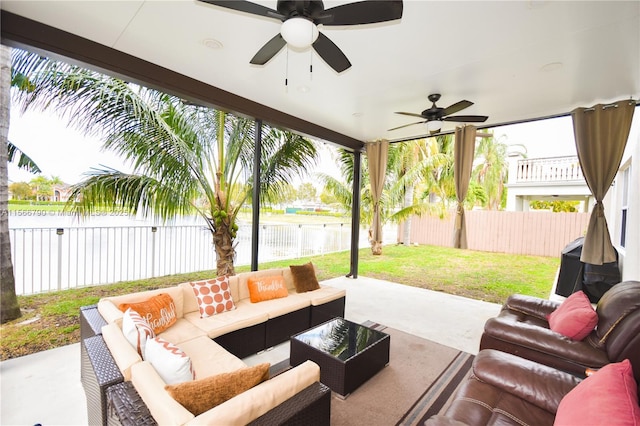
{"x": 171, "y": 363}
{"x": 136, "y": 330}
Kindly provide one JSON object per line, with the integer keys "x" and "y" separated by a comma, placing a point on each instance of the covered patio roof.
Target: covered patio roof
{"x": 516, "y": 61}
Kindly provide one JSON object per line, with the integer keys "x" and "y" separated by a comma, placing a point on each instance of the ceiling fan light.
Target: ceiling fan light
{"x": 434, "y": 125}
{"x": 299, "y": 32}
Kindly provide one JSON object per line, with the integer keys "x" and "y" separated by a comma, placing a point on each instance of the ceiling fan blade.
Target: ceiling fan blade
{"x": 410, "y": 114}
{"x": 331, "y": 53}
{"x": 467, "y": 118}
{"x": 458, "y": 106}
{"x": 406, "y": 125}
{"x": 269, "y": 50}
{"x": 362, "y": 12}
{"x": 247, "y": 7}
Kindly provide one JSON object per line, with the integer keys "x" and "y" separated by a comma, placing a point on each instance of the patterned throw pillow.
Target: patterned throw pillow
{"x": 214, "y": 296}
{"x": 267, "y": 288}
{"x": 171, "y": 363}
{"x": 201, "y": 395}
{"x": 304, "y": 277}
{"x": 136, "y": 330}
{"x": 159, "y": 311}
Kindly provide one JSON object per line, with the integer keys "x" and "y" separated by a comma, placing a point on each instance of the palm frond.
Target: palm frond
{"x": 111, "y": 189}
{"x": 24, "y": 161}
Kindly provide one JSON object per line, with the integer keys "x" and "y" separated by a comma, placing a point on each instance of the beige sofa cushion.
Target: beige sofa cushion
{"x": 124, "y": 354}
{"x": 325, "y": 294}
{"x": 189, "y": 301}
{"x": 253, "y": 403}
{"x": 209, "y": 358}
{"x": 276, "y": 307}
{"x": 227, "y": 322}
{"x": 181, "y": 331}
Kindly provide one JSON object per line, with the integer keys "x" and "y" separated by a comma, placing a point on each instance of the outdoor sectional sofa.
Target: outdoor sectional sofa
{"x": 112, "y": 369}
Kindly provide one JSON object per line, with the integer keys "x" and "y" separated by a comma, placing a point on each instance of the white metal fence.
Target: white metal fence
{"x": 50, "y": 259}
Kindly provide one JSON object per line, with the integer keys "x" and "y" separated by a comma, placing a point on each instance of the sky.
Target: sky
{"x": 64, "y": 152}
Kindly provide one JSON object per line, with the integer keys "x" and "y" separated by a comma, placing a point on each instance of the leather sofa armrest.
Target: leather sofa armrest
{"x": 544, "y": 341}
{"x": 536, "y": 383}
{"x": 532, "y": 306}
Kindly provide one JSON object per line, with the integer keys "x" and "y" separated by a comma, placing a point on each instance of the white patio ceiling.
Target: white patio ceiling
{"x": 516, "y": 60}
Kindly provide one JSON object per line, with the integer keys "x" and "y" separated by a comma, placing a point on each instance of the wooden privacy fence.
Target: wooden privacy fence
{"x": 531, "y": 233}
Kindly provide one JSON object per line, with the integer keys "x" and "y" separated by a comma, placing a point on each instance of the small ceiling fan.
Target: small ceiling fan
{"x": 300, "y": 20}
{"x": 435, "y": 115}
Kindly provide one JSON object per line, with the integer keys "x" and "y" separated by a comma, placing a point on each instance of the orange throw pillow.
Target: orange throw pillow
{"x": 159, "y": 311}
{"x": 267, "y": 288}
{"x": 201, "y": 395}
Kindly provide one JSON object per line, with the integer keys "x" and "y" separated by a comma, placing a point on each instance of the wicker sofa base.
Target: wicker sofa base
{"x": 244, "y": 342}
{"x": 280, "y": 329}
{"x": 327, "y": 311}
{"x": 98, "y": 372}
{"x": 126, "y": 407}
{"x": 311, "y": 407}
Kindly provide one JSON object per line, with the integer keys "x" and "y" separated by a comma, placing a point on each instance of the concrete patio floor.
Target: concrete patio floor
{"x": 44, "y": 388}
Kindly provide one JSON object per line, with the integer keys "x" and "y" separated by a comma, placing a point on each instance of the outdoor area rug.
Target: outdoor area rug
{"x": 420, "y": 381}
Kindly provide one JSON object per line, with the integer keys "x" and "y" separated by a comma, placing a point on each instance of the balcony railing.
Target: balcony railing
{"x": 554, "y": 169}
{"x": 50, "y": 259}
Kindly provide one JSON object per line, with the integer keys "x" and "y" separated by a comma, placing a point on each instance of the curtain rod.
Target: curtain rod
{"x": 614, "y": 105}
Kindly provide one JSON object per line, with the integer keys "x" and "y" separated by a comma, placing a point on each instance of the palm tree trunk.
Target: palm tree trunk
{"x": 406, "y": 229}
{"x": 225, "y": 252}
{"x": 9, "y": 308}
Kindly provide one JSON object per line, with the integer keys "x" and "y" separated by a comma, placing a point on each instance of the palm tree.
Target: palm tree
{"x": 406, "y": 167}
{"x": 491, "y": 170}
{"x": 9, "y": 307}
{"x": 186, "y": 158}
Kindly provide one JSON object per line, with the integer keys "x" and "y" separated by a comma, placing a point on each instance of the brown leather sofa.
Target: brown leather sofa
{"x": 505, "y": 389}
{"x": 522, "y": 329}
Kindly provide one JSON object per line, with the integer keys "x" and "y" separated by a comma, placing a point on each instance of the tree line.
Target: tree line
{"x": 40, "y": 188}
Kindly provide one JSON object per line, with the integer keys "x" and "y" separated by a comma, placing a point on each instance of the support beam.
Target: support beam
{"x": 255, "y": 203}
{"x": 355, "y": 214}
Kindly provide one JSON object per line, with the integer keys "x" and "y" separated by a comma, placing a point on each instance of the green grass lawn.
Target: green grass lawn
{"x": 51, "y": 319}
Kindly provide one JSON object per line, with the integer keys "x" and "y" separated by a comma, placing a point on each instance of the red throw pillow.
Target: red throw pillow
{"x": 608, "y": 397}
{"x": 574, "y": 318}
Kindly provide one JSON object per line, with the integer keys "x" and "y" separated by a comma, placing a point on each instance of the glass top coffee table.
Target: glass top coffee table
{"x": 348, "y": 353}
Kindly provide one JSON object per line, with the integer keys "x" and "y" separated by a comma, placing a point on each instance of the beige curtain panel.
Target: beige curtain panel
{"x": 601, "y": 134}
{"x": 464, "y": 148}
{"x": 377, "y": 154}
